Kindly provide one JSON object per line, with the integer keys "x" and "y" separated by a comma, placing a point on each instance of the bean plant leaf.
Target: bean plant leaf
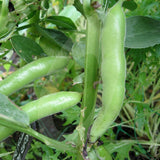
{"x": 10, "y": 115}
{"x": 121, "y": 148}
{"x": 51, "y": 48}
{"x": 131, "y": 5}
{"x": 78, "y": 79}
{"x": 62, "y": 22}
{"x": 57, "y": 37}
{"x": 79, "y": 6}
{"x": 78, "y": 52}
{"x": 26, "y": 48}
{"x": 70, "y": 12}
{"x": 25, "y": 9}
{"x": 71, "y": 115}
{"x": 157, "y": 48}
{"x": 5, "y": 154}
{"x": 71, "y": 138}
{"x": 44, "y": 87}
{"x": 142, "y": 32}
{"x": 45, "y": 4}
{"x": 6, "y": 33}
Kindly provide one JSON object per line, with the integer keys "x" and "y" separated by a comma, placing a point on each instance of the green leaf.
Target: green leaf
{"x": 6, "y": 33}
{"x": 131, "y": 5}
{"x": 142, "y": 32}
{"x": 25, "y": 9}
{"x": 71, "y": 138}
{"x": 5, "y": 154}
{"x": 78, "y": 79}
{"x": 7, "y": 66}
{"x": 44, "y": 87}
{"x": 70, "y": 12}
{"x": 51, "y": 48}
{"x": 78, "y": 52}
{"x": 102, "y": 153}
{"x": 10, "y": 115}
{"x": 157, "y": 48}
{"x": 45, "y": 4}
{"x": 122, "y": 149}
{"x": 62, "y": 22}
{"x": 92, "y": 155}
{"x": 26, "y": 48}
{"x": 57, "y": 37}
{"x": 7, "y": 46}
{"x": 79, "y": 6}
{"x": 71, "y": 115}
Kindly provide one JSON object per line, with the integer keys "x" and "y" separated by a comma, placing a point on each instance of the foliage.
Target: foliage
{"x": 30, "y": 30}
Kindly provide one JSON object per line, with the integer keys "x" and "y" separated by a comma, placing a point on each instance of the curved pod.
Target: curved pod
{"x": 51, "y": 104}
{"x": 38, "y": 68}
{"x": 113, "y": 70}
{"x": 45, "y": 106}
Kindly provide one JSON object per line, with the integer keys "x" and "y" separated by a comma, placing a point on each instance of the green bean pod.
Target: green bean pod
{"x": 113, "y": 70}
{"x": 38, "y": 68}
{"x": 45, "y": 106}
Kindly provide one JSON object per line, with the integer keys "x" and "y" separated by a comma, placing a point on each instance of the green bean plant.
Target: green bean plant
{"x": 69, "y": 55}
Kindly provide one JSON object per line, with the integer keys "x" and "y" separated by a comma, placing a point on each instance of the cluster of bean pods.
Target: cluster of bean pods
{"x": 113, "y": 73}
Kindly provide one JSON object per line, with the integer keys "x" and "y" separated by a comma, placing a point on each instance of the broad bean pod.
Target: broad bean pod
{"x": 45, "y": 106}
{"x": 113, "y": 70}
{"x": 38, "y": 68}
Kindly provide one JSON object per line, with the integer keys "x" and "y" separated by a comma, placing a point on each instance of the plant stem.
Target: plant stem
{"x": 91, "y": 72}
{"x": 61, "y": 146}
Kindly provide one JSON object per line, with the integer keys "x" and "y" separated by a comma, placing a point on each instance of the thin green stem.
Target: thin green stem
{"x": 128, "y": 115}
{"x": 61, "y": 146}
{"x": 154, "y": 90}
{"x": 156, "y": 125}
{"x": 142, "y": 142}
{"x": 24, "y": 27}
{"x": 91, "y": 72}
{"x": 6, "y": 62}
{"x": 137, "y": 130}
